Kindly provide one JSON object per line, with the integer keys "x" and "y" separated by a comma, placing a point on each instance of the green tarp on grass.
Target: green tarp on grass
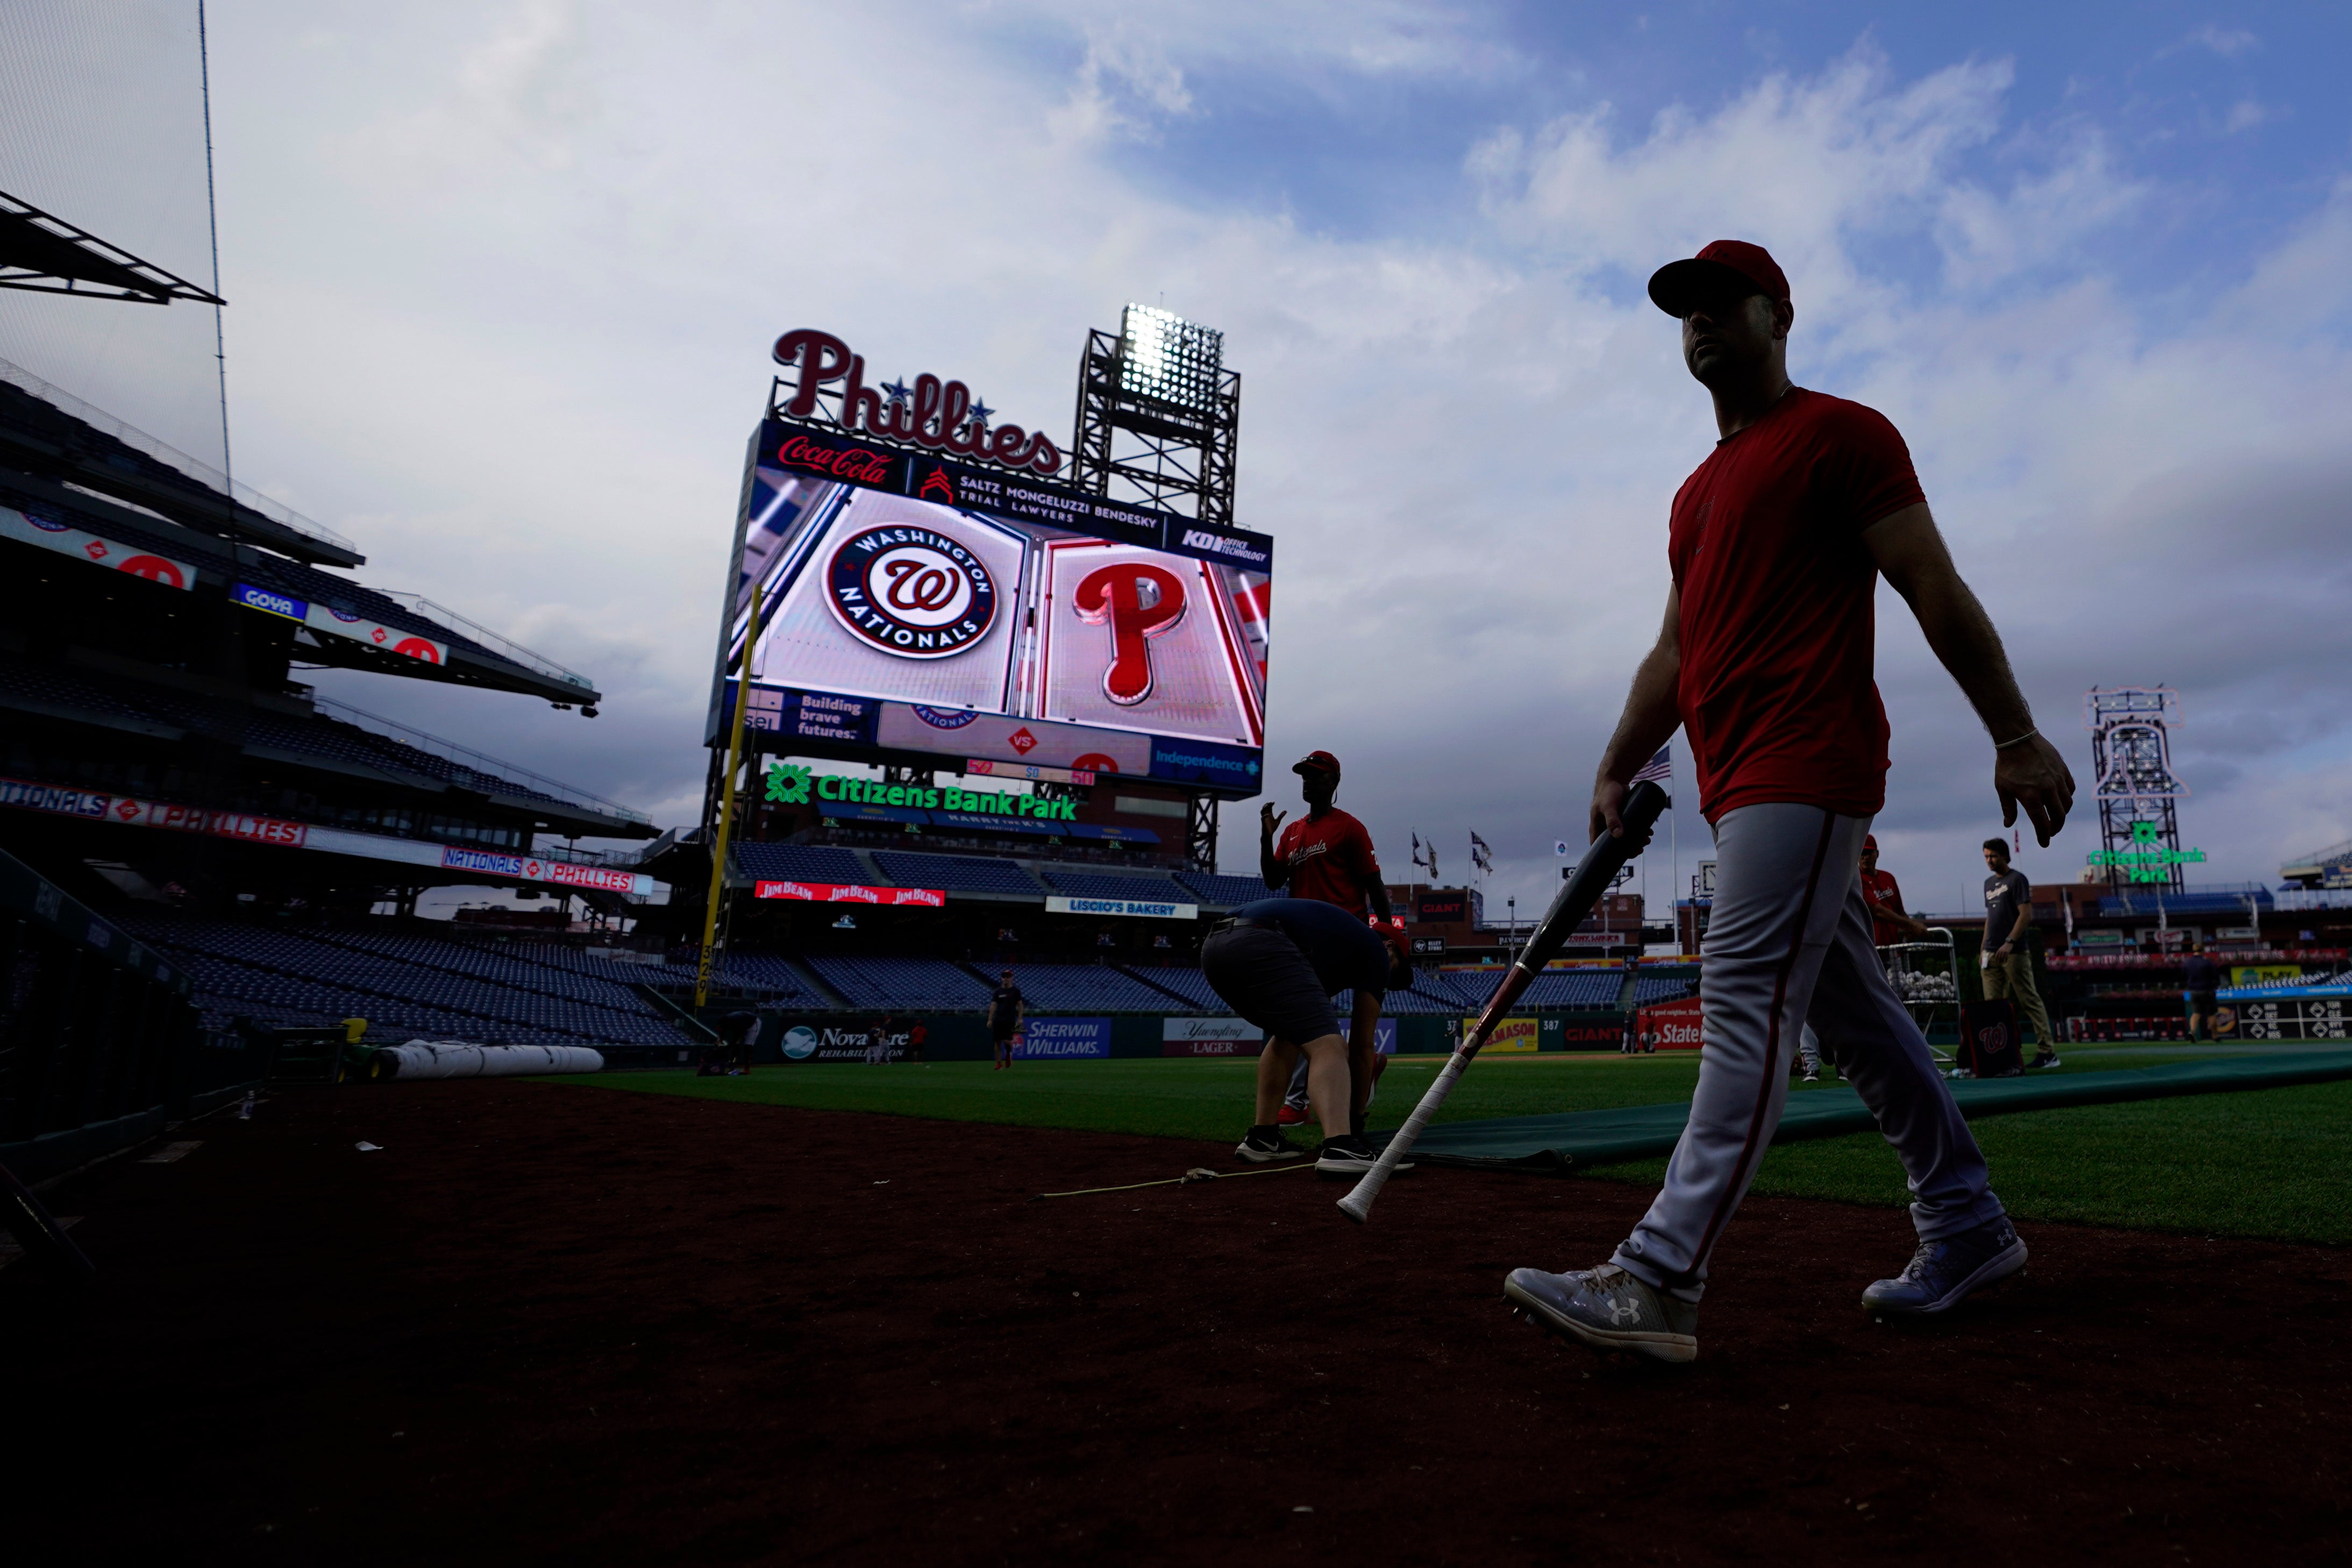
{"x": 1557, "y": 1143}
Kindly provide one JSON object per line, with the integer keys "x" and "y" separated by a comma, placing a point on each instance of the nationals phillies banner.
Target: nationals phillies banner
{"x": 911, "y": 603}
{"x": 130, "y": 811}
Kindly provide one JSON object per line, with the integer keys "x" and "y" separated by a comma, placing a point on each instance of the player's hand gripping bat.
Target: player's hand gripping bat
{"x": 1595, "y": 875}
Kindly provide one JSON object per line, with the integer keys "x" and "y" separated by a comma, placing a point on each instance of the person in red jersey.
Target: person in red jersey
{"x": 1776, "y": 544}
{"x": 1888, "y": 923}
{"x": 1325, "y": 855}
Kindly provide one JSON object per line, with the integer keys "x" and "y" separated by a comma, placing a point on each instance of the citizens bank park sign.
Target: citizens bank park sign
{"x": 248, "y": 828}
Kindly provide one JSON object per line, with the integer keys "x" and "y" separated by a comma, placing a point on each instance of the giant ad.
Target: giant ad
{"x": 910, "y": 604}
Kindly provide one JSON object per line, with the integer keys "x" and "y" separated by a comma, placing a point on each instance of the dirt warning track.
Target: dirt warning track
{"x": 541, "y": 1323}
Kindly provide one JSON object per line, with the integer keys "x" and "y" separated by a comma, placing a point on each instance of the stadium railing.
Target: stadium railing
{"x": 476, "y": 761}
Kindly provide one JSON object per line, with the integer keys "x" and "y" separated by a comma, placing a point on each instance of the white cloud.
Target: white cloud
{"x": 2230, "y": 43}
{"x": 506, "y": 281}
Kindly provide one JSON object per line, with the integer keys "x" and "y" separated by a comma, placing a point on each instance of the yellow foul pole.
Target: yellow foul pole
{"x": 726, "y": 807}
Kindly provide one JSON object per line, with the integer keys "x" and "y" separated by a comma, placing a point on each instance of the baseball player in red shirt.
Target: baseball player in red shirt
{"x": 1325, "y": 855}
{"x": 1888, "y": 923}
{"x": 1776, "y": 543}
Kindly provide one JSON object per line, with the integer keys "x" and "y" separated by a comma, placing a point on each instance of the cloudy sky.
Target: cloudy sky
{"x": 504, "y": 276}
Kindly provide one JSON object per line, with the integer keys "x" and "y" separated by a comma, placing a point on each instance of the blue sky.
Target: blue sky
{"x": 504, "y": 276}
{"x": 2237, "y": 112}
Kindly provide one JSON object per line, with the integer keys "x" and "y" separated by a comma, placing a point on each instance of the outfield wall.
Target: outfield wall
{"x": 789, "y": 1036}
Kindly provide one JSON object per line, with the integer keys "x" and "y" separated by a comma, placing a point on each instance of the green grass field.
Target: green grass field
{"x": 2272, "y": 1162}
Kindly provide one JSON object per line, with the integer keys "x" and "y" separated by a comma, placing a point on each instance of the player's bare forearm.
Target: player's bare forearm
{"x": 1270, "y": 870}
{"x": 1910, "y": 551}
{"x": 1649, "y": 721}
{"x": 2027, "y": 772}
{"x": 1376, "y": 894}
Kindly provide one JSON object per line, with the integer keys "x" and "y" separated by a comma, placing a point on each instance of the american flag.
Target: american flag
{"x": 1660, "y": 768}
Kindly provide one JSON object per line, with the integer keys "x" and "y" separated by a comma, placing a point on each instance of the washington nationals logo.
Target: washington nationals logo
{"x": 912, "y": 591}
{"x": 1138, "y": 603}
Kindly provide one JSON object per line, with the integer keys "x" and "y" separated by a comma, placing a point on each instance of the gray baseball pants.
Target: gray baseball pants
{"x": 1788, "y": 942}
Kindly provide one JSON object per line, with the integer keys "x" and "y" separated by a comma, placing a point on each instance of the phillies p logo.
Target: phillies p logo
{"x": 1139, "y": 603}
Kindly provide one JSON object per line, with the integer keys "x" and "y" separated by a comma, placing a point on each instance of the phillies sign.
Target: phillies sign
{"x": 1138, "y": 603}
{"x": 942, "y": 416}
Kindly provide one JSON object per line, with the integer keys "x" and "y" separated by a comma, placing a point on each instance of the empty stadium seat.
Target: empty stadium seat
{"x": 403, "y": 985}
{"x": 800, "y": 863}
{"x": 1189, "y": 983}
{"x": 1225, "y": 892}
{"x": 1085, "y": 988}
{"x": 895, "y": 982}
{"x": 964, "y": 873}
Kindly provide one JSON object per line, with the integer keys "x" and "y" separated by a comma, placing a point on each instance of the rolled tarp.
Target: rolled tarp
{"x": 463, "y": 1058}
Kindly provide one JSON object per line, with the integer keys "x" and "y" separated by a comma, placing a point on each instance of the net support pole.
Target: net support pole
{"x": 726, "y": 809}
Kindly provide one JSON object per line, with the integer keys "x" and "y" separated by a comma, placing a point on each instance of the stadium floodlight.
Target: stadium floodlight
{"x": 1163, "y": 356}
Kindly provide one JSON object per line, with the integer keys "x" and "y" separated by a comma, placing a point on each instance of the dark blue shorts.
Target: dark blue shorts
{"x": 1264, "y": 977}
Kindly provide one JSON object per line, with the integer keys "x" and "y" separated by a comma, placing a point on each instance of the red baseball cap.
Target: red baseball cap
{"x": 1320, "y": 761}
{"x": 1675, "y": 287}
{"x": 1870, "y": 843}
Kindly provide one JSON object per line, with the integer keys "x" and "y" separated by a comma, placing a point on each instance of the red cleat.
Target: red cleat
{"x": 1288, "y": 1117}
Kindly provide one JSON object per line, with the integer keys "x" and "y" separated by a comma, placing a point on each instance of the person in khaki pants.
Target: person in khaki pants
{"x": 2008, "y": 959}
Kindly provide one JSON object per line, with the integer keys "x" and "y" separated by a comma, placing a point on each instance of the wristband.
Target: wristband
{"x": 2004, "y": 745}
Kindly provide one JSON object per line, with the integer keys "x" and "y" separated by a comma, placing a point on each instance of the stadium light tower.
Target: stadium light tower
{"x": 2131, "y": 753}
{"x": 1157, "y": 415}
{"x": 1158, "y": 420}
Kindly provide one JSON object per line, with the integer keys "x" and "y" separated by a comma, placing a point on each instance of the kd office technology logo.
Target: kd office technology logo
{"x": 912, "y": 591}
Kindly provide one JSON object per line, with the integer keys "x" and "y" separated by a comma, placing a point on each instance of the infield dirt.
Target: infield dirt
{"x": 539, "y": 1324}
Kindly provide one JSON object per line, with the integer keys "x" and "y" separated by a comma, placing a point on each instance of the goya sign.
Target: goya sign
{"x": 340, "y": 623}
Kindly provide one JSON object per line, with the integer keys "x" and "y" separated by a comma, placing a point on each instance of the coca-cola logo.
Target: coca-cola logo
{"x": 859, "y": 465}
{"x": 913, "y": 592}
{"x": 939, "y": 415}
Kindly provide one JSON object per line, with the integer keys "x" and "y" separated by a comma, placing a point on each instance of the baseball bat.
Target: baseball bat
{"x": 1594, "y": 875}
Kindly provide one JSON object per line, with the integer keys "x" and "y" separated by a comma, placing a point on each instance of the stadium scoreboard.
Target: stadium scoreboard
{"x": 917, "y": 608}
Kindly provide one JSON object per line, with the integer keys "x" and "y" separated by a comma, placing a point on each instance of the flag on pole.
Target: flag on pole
{"x": 1660, "y": 768}
{"x": 1480, "y": 855}
{"x": 1416, "y": 849}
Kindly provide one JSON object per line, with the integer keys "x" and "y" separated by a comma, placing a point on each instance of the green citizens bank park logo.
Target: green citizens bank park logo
{"x": 789, "y": 784}
{"x": 2147, "y": 860}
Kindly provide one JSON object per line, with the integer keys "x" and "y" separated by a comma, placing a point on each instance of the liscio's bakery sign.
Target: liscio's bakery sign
{"x": 939, "y": 415}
